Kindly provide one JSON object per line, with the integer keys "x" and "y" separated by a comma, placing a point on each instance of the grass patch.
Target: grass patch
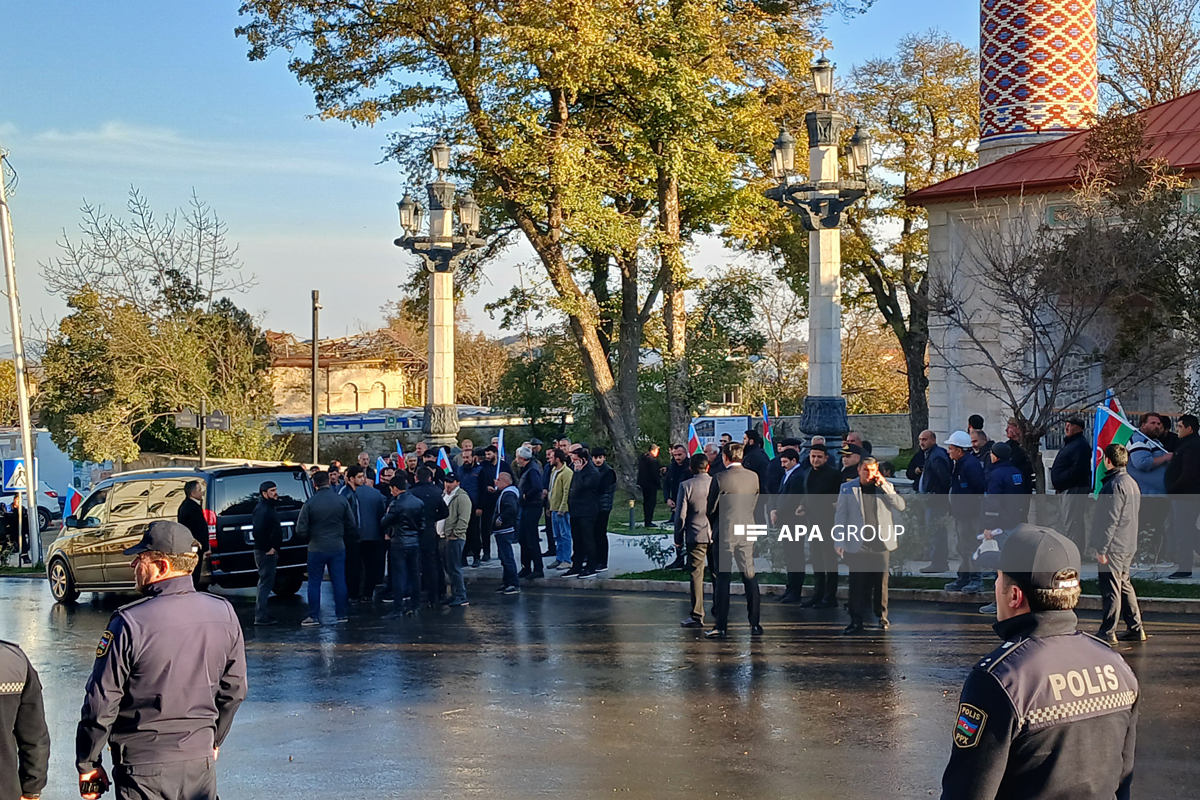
{"x": 1144, "y": 588}
{"x": 36, "y": 570}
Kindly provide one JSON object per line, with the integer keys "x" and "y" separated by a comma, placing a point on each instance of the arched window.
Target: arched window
{"x": 379, "y": 395}
{"x": 349, "y": 402}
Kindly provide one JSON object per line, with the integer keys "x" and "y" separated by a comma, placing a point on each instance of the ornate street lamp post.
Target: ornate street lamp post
{"x": 820, "y": 203}
{"x": 441, "y": 252}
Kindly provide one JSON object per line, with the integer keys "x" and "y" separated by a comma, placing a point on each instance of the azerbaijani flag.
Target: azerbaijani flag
{"x": 768, "y": 442}
{"x": 693, "y": 444}
{"x": 1114, "y": 405}
{"x": 1108, "y": 429}
{"x": 379, "y": 465}
{"x": 500, "y": 447}
{"x": 443, "y": 461}
{"x": 73, "y": 500}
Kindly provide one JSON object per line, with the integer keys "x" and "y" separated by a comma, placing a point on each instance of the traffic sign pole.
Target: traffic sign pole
{"x": 203, "y": 433}
{"x": 14, "y": 310}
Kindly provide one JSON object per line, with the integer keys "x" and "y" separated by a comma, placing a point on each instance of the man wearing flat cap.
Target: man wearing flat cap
{"x": 1052, "y": 712}
{"x": 1071, "y": 477}
{"x": 170, "y": 673}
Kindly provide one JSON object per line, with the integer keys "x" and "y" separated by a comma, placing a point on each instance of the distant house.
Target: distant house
{"x": 356, "y": 374}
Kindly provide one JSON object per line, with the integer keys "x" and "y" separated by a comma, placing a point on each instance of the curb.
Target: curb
{"x": 1088, "y": 602}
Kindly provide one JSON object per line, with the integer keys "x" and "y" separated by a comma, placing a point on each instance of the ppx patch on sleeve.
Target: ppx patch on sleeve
{"x": 106, "y": 640}
{"x": 969, "y": 725}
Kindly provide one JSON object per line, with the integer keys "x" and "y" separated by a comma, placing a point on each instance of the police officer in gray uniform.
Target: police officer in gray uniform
{"x": 1051, "y": 713}
{"x": 170, "y": 673}
{"x": 24, "y": 739}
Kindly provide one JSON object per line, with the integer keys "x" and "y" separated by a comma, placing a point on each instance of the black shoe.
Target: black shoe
{"x": 934, "y": 569}
{"x": 715, "y": 633}
{"x": 261, "y": 622}
{"x": 571, "y": 573}
{"x": 1138, "y": 635}
{"x": 474, "y": 563}
{"x": 811, "y": 602}
{"x": 678, "y": 563}
{"x": 826, "y": 604}
{"x": 525, "y": 573}
{"x": 537, "y": 575}
{"x": 485, "y": 559}
{"x": 756, "y": 630}
{"x": 1176, "y": 576}
{"x": 550, "y": 554}
{"x": 852, "y": 628}
{"x": 501, "y": 590}
{"x": 789, "y": 598}
{"x": 883, "y": 625}
{"x": 447, "y": 601}
{"x": 691, "y": 622}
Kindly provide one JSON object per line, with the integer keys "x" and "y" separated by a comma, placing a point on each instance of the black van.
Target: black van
{"x": 87, "y": 555}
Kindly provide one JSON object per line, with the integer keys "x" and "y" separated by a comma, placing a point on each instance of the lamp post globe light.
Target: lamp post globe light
{"x": 440, "y": 250}
{"x": 820, "y": 203}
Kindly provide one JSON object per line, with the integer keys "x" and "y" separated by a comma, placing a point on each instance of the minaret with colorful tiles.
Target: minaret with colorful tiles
{"x": 1037, "y": 72}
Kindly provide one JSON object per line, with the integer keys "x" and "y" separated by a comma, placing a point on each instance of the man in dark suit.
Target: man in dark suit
{"x": 649, "y": 480}
{"x": 822, "y": 483}
{"x": 784, "y": 511}
{"x": 191, "y": 516}
{"x": 693, "y": 532}
{"x": 732, "y": 500}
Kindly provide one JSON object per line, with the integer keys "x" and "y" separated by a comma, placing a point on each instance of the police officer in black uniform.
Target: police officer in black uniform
{"x": 1051, "y": 713}
{"x": 24, "y": 738}
{"x": 170, "y": 673}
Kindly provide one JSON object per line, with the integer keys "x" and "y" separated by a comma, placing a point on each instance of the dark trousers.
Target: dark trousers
{"x": 551, "y": 545}
{"x": 474, "y": 546}
{"x": 530, "y": 540}
{"x": 189, "y": 780}
{"x": 406, "y": 573}
{"x": 825, "y": 566}
{"x": 743, "y": 559}
{"x": 1118, "y": 600}
{"x": 868, "y": 585}
{"x": 582, "y": 541}
{"x": 968, "y": 528}
{"x": 937, "y": 521}
{"x": 793, "y": 558}
{"x": 266, "y": 583}
{"x": 1153, "y": 515}
{"x": 504, "y": 550}
{"x": 374, "y": 557}
{"x": 601, "y": 549}
{"x": 649, "y": 501}
{"x": 1185, "y": 509}
{"x": 697, "y": 560}
{"x": 486, "y": 523}
{"x": 433, "y": 578}
{"x": 353, "y": 568}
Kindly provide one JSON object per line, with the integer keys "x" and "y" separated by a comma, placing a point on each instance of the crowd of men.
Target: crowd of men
{"x": 403, "y": 533}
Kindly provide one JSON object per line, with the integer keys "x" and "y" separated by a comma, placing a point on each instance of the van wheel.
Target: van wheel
{"x": 286, "y": 587}
{"x": 62, "y": 585}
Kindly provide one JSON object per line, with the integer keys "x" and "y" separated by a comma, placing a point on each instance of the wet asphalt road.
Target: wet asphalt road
{"x": 588, "y": 694}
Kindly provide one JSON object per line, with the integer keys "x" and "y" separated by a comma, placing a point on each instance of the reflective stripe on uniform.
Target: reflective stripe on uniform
{"x": 1078, "y": 708}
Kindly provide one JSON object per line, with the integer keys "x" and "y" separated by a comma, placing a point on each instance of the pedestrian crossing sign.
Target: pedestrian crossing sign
{"x": 14, "y": 474}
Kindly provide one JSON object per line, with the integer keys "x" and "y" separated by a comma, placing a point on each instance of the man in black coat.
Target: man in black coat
{"x": 488, "y": 492}
{"x": 268, "y": 541}
{"x": 649, "y": 480}
{"x": 1183, "y": 486}
{"x": 677, "y": 472}
{"x": 786, "y": 508}
{"x": 433, "y": 572}
{"x": 1020, "y": 460}
{"x": 531, "y": 486}
{"x": 24, "y": 737}
{"x": 607, "y": 490}
{"x": 191, "y": 516}
{"x": 583, "y": 503}
{"x": 822, "y": 483}
{"x": 1115, "y": 540}
{"x": 1071, "y": 477}
{"x": 403, "y": 525}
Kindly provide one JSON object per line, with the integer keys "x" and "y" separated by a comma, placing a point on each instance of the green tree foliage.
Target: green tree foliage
{"x": 574, "y": 122}
{"x": 146, "y": 336}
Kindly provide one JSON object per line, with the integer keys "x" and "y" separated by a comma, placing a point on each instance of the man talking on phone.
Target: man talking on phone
{"x": 170, "y": 673}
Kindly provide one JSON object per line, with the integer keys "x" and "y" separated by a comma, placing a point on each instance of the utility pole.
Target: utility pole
{"x": 316, "y": 366}
{"x": 203, "y": 433}
{"x": 14, "y": 310}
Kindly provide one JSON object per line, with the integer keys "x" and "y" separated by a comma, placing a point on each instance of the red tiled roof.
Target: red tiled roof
{"x": 1172, "y": 130}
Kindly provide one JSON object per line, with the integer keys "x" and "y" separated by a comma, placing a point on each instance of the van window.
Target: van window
{"x": 238, "y": 494}
{"x": 95, "y": 507}
{"x": 129, "y": 500}
{"x": 165, "y": 498}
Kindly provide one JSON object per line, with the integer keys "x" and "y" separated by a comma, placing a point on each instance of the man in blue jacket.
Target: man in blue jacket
{"x": 930, "y": 471}
{"x": 966, "y": 506}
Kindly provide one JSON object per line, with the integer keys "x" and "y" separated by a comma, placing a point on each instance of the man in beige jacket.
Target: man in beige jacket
{"x": 560, "y": 518}
{"x": 455, "y": 531}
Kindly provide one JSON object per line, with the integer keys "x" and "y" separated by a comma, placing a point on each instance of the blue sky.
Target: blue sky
{"x": 99, "y": 97}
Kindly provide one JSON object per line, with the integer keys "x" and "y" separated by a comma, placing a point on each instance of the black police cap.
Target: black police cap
{"x": 165, "y": 536}
{"x": 1037, "y": 554}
